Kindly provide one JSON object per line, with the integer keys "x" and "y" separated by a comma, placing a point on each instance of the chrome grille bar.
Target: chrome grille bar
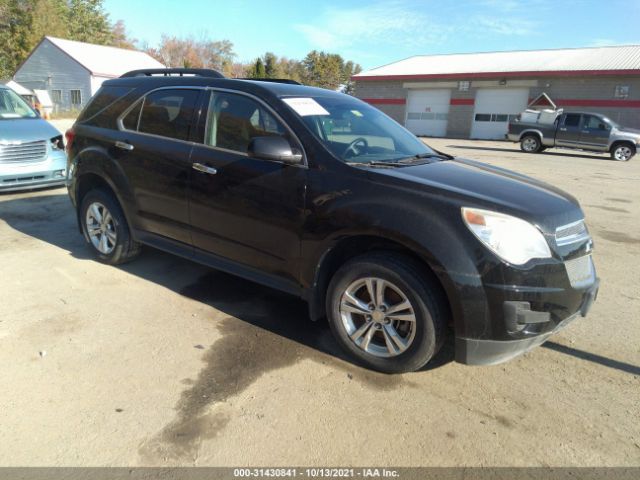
{"x": 571, "y": 233}
{"x": 29, "y": 152}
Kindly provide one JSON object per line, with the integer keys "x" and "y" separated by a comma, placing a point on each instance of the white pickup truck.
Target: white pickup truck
{"x": 536, "y": 131}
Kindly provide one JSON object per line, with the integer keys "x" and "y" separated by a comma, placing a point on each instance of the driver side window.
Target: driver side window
{"x": 233, "y": 120}
{"x": 594, "y": 123}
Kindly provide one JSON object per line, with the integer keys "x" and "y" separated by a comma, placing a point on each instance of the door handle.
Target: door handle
{"x": 124, "y": 146}
{"x": 563, "y": 129}
{"x": 204, "y": 169}
{"x": 585, "y": 131}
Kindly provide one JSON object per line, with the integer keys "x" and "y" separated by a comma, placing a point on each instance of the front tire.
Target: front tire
{"x": 386, "y": 312}
{"x": 105, "y": 228}
{"x": 530, "y": 144}
{"x": 623, "y": 152}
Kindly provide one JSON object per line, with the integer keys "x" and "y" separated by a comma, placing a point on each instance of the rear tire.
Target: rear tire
{"x": 623, "y": 152}
{"x": 105, "y": 228}
{"x": 398, "y": 330}
{"x": 530, "y": 144}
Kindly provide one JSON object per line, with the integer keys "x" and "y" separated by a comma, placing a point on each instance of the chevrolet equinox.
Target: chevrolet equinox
{"x": 320, "y": 195}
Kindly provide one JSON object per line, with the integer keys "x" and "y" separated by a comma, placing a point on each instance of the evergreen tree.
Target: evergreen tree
{"x": 270, "y": 65}
{"x": 258, "y": 69}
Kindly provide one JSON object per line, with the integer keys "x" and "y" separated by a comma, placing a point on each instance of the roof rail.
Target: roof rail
{"x": 274, "y": 80}
{"x": 166, "y": 72}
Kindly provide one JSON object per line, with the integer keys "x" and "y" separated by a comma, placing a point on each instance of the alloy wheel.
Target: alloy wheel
{"x": 378, "y": 317}
{"x": 622, "y": 153}
{"x": 101, "y": 228}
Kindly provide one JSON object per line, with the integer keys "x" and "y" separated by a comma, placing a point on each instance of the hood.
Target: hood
{"x": 26, "y": 130}
{"x": 480, "y": 185}
{"x": 632, "y": 131}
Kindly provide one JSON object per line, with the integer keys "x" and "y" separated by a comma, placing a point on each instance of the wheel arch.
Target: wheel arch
{"x": 90, "y": 180}
{"x": 616, "y": 143}
{"x": 537, "y": 133}
{"x": 348, "y": 247}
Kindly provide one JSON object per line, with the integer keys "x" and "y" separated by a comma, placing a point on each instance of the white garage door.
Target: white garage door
{"x": 493, "y": 110}
{"x": 427, "y": 112}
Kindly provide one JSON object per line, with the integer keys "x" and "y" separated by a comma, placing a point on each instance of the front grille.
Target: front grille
{"x": 30, "y": 152}
{"x": 572, "y": 233}
{"x": 580, "y": 271}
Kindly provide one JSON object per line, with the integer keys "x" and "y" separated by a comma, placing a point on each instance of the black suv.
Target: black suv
{"x": 320, "y": 195}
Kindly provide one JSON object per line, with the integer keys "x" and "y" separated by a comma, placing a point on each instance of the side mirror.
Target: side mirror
{"x": 273, "y": 148}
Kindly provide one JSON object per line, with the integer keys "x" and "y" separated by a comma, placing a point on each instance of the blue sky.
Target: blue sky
{"x": 374, "y": 33}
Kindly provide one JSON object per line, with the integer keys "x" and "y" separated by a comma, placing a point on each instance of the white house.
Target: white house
{"x": 73, "y": 71}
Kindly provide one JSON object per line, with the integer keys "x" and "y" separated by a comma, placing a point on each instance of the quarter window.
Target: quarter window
{"x": 130, "y": 121}
{"x": 234, "y": 120}
{"x": 167, "y": 113}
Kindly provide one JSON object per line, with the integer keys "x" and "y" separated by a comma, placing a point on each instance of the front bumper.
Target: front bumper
{"x": 49, "y": 172}
{"x": 473, "y": 351}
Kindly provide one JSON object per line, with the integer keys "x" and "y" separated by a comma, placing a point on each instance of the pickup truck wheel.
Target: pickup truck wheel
{"x": 105, "y": 228}
{"x": 386, "y": 313}
{"x": 623, "y": 152}
{"x": 530, "y": 144}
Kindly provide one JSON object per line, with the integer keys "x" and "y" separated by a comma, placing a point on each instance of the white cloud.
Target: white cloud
{"x": 504, "y": 25}
{"x": 388, "y": 22}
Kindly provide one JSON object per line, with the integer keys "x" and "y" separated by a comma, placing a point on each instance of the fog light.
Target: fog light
{"x": 59, "y": 173}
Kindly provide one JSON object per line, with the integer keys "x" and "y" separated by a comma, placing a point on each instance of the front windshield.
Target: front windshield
{"x": 357, "y": 132}
{"x": 13, "y": 106}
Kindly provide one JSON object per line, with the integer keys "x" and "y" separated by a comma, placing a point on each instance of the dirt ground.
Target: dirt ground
{"x": 165, "y": 362}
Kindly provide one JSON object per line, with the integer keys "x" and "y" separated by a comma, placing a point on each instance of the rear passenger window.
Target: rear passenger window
{"x": 168, "y": 113}
{"x": 233, "y": 120}
{"x": 572, "y": 120}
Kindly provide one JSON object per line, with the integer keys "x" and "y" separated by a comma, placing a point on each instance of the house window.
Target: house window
{"x": 56, "y": 97}
{"x": 76, "y": 98}
{"x": 622, "y": 91}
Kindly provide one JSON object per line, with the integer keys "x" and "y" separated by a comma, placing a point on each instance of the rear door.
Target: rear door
{"x": 154, "y": 151}
{"x": 568, "y": 132}
{"x": 595, "y": 132}
{"x": 243, "y": 209}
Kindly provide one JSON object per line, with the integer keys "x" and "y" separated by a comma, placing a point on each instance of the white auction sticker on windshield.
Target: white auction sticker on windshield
{"x": 305, "y": 106}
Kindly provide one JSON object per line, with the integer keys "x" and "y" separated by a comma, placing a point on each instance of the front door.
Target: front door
{"x": 154, "y": 152}
{"x": 568, "y": 132}
{"x": 243, "y": 209}
{"x": 594, "y": 132}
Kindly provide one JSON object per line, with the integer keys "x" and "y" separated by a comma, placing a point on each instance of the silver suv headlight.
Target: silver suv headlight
{"x": 514, "y": 240}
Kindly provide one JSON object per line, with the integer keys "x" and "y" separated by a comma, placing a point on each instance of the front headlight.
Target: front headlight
{"x": 57, "y": 143}
{"x": 512, "y": 239}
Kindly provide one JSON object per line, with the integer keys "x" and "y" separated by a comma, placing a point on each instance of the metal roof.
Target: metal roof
{"x": 16, "y": 87}
{"x": 103, "y": 61}
{"x": 588, "y": 61}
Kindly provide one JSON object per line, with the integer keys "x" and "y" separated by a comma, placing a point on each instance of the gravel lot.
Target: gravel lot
{"x": 165, "y": 362}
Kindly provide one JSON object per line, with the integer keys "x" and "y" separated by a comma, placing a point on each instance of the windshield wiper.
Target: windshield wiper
{"x": 378, "y": 163}
{"x": 421, "y": 156}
